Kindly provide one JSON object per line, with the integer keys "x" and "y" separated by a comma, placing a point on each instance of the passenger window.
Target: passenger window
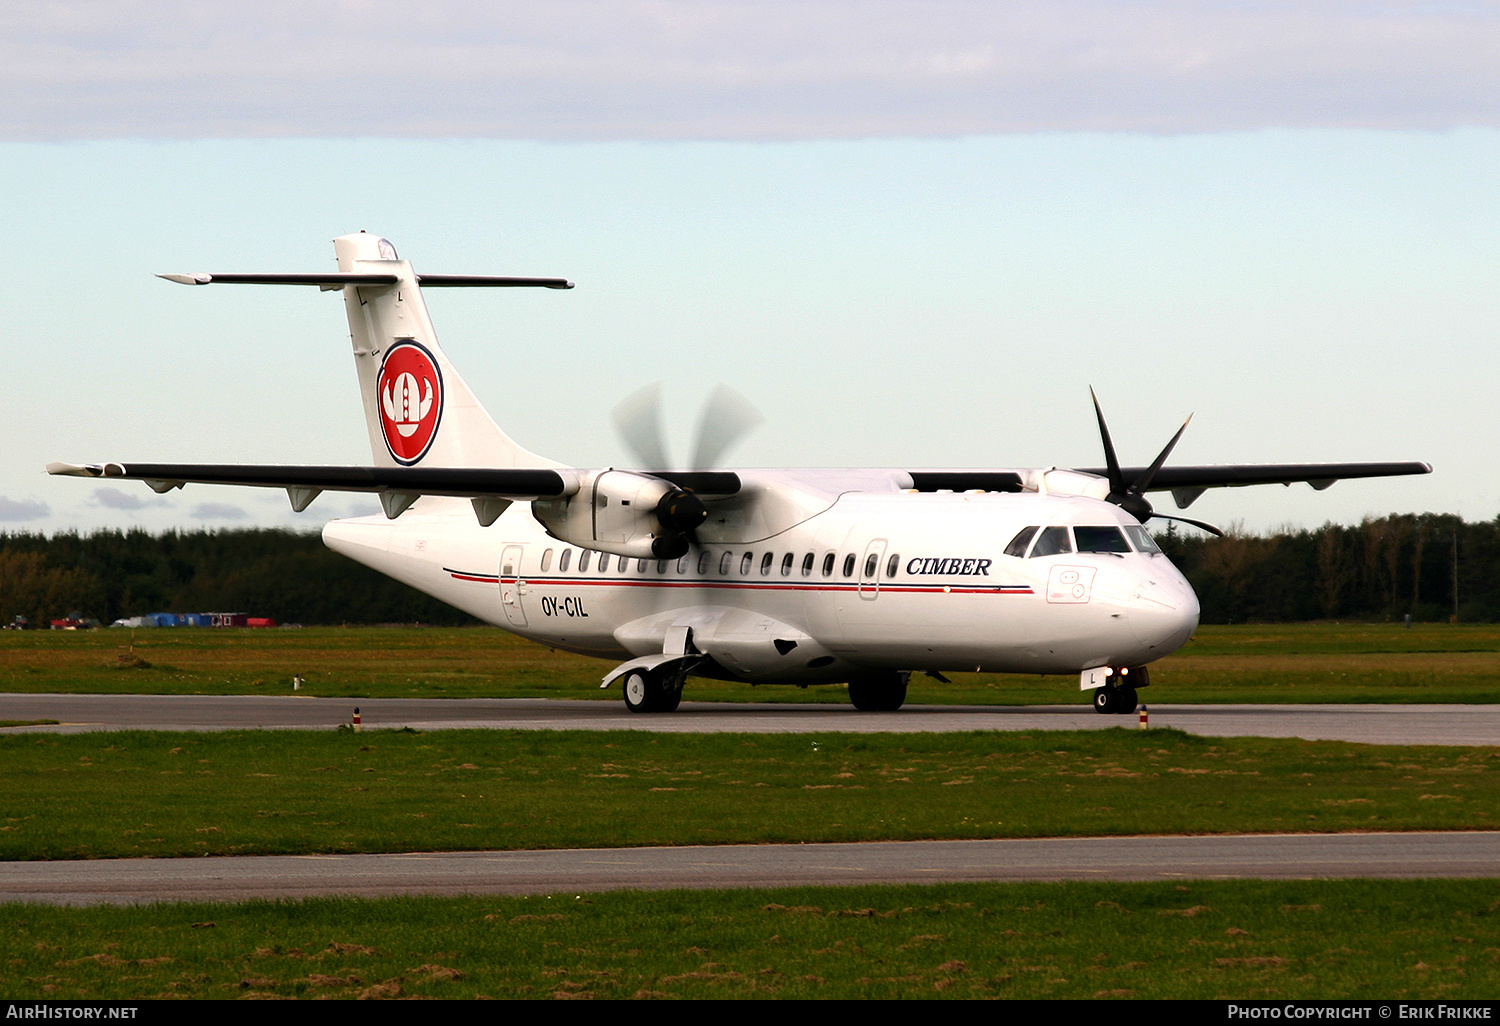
{"x": 724, "y": 564}
{"x": 849, "y": 565}
{"x": 604, "y": 562}
{"x": 786, "y": 565}
{"x": 583, "y": 561}
{"x": 640, "y": 567}
{"x": 1053, "y": 540}
{"x": 546, "y": 560}
{"x": 745, "y": 562}
{"x": 703, "y": 561}
{"x": 765, "y": 563}
{"x": 807, "y": 565}
{"x": 682, "y": 565}
{"x": 828, "y": 565}
{"x": 871, "y": 562}
{"x": 564, "y": 560}
{"x": 1100, "y": 539}
{"x": 1017, "y": 546}
{"x": 890, "y": 567}
{"x": 661, "y": 566}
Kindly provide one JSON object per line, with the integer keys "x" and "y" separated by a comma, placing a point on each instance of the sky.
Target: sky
{"x": 911, "y": 234}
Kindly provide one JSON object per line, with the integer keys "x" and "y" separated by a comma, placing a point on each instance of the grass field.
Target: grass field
{"x": 107, "y": 795}
{"x": 133, "y": 794}
{"x": 1269, "y": 663}
{"x": 1213, "y": 940}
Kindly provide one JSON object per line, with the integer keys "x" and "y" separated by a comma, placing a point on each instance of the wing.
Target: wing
{"x": 1187, "y": 483}
{"x": 490, "y": 489}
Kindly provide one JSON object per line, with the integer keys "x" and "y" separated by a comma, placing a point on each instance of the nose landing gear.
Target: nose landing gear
{"x": 1118, "y": 696}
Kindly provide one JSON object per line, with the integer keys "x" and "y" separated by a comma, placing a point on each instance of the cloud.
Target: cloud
{"x": 113, "y": 498}
{"x": 23, "y": 509}
{"x": 217, "y": 511}
{"x": 740, "y": 69}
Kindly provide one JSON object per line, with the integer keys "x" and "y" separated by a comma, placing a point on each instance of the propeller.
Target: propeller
{"x": 1132, "y": 498}
{"x": 727, "y": 417}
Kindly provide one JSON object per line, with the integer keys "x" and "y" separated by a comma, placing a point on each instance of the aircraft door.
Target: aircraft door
{"x": 512, "y": 585}
{"x": 869, "y": 570}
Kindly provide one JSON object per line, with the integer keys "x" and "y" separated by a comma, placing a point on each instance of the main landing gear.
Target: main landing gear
{"x": 878, "y": 692}
{"x": 651, "y": 692}
{"x": 1118, "y": 695}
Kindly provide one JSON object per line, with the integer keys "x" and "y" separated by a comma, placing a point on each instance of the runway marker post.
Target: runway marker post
{"x": 1145, "y": 718}
{"x": 357, "y": 727}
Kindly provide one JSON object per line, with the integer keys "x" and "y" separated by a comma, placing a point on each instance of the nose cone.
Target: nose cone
{"x": 1163, "y": 613}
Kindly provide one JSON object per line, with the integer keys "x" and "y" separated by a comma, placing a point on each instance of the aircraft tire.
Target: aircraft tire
{"x": 878, "y": 692}
{"x": 1104, "y": 700}
{"x": 1125, "y": 701}
{"x": 640, "y": 695}
{"x": 649, "y": 693}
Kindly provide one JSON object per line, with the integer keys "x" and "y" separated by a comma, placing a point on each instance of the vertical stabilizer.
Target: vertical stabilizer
{"x": 418, "y": 410}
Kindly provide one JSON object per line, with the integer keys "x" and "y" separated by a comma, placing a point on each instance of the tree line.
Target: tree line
{"x": 286, "y": 575}
{"x": 1431, "y": 567}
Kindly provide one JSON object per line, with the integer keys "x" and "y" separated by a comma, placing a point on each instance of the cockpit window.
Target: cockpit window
{"x": 1017, "y": 546}
{"x": 1100, "y": 539}
{"x": 1141, "y": 539}
{"x": 1051, "y": 541}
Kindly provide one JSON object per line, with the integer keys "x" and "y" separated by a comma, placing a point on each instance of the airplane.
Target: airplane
{"x": 775, "y": 576}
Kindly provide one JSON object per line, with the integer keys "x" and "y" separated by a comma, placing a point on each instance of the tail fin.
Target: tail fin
{"x": 418, "y": 410}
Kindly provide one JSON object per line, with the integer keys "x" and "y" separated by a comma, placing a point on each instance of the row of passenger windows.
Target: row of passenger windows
{"x": 708, "y": 561}
{"x": 1052, "y": 541}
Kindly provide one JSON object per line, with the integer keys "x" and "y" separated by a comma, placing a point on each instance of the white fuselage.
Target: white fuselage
{"x": 879, "y": 580}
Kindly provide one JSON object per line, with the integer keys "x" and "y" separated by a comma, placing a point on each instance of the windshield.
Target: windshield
{"x": 1052, "y": 541}
{"x": 1100, "y": 539}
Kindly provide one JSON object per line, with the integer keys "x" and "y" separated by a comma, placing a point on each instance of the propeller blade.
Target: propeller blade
{"x": 727, "y": 418}
{"x": 1116, "y": 479}
{"x": 1210, "y": 528}
{"x": 1144, "y": 481}
{"x": 638, "y": 420}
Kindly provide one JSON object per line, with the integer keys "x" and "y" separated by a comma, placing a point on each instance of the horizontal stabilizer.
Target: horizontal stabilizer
{"x": 338, "y": 279}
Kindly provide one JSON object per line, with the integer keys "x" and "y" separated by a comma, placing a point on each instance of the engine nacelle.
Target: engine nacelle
{"x": 1070, "y": 482}
{"x": 629, "y": 514}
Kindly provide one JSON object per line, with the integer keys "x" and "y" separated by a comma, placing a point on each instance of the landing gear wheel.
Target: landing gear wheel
{"x": 1125, "y": 701}
{"x": 1104, "y": 700}
{"x": 637, "y": 692}
{"x": 649, "y": 692}
{"x": 884, "y": 692}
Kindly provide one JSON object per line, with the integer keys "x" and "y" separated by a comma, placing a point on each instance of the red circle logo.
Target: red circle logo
{"x": 409, "y": 392}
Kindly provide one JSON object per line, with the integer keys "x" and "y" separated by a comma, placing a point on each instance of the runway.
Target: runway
{"x": 548, "y": 872}
{"x": 1295, "y": 856}
{"x": 1371, "y": 724}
